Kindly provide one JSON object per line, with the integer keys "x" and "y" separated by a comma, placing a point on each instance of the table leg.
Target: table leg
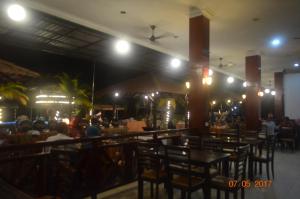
{"x": 206, "y": 188}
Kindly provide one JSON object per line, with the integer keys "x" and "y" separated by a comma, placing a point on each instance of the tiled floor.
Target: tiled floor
{"x": 285, "y": 186}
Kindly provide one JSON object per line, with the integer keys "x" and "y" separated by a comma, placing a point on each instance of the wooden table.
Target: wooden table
{"x": 205, "y": 159}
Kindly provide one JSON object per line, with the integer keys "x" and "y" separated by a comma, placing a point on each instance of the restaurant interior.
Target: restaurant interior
{"x": 149, "y": 99}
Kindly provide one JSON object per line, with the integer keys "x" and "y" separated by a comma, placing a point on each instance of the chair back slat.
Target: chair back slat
{"x": 147, "y": 157}
{"x": 240, "y": 163}
{"x": 178, "y": 161}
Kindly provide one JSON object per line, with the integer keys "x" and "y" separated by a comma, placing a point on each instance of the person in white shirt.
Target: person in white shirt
{"x": 269, "y": 125}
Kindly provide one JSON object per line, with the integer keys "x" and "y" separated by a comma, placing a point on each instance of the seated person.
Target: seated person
{"x": 24, "y": 126}
{"x": 62, "y": 130}
{"x": 269, "y": 125}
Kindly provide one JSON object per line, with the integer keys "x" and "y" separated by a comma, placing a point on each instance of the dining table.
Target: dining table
{"x": 205, "y": 159}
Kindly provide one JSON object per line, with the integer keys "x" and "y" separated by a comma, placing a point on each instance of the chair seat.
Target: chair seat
{"x": 182, "y": 182}
{"x": 150, "y": 174}
{"x": 222, "y": 182}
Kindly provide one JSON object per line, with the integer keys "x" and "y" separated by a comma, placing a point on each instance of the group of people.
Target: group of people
{"x": 56, "y": 130}
{"x": 271, "y": 127}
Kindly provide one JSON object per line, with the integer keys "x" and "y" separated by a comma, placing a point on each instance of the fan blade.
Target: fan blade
{"x": 164, "y": 35}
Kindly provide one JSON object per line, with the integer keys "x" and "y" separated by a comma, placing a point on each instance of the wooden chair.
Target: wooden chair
{"x": 221, "y": 183}
{"x": 266, "y": 156}
{"x": 150, "y": 167}
{"x": 180, "y": 174}
{"x": 287, "y": 136}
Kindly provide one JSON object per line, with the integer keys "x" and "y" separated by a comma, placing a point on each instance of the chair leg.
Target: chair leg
{"x": 156, "y": 191}
{"x": 235, "y": 195}
{"x": 189, "y": 194}
{"x": 140, "y": 188}
{"x": 272, "y": 167}
{"x": 226, "y": 194}
{"x": 218, "y": 194}
{"x": 151, "y": 189}
{"x": 242, "y": 193}
{"x": 260, "y": 168}
{"x": 182, "y": 194}
{"x": 268, "y": 168}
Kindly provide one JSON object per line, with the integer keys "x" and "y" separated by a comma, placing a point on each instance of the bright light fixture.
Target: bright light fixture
{"x": 116, "y": 94}
{"x": 296, "y": 64}
{"x": 228, "y": 101}
{"x": 244, "y": 96}
{"x": 152, "y": 94}
{"x": 267, "y": 91}
{"x": 260, "y": 93}
{"x": 273, "y": 92}
{"x": 175, "y": 62}
{"x": 240, "y": 102}
{"x": 214, "y": 102}
{"x": 187, "y": 85}
{"x": 245, "y": 84}
{"x": 230, "y": 80}
{"x": 210, "y": 72}
{"x": 16, "y": 12}
{"x": 276, "y": 42}
{"x": 146, "y": 97}
{"x": 122, "y": 47}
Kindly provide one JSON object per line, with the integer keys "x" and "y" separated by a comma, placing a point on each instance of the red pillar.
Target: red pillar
{"x": 252, "y": 105}
{"x": 199, "y": 58}
{"x": 278, "y": 83}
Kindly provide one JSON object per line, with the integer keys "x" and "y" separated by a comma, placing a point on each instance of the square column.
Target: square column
{"x": 253, "y": 101}
{"x": 199, "y": 58}
{"x": 278, "y": 83}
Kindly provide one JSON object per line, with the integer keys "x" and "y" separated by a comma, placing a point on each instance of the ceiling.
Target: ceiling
{"x": 234, "y": 33}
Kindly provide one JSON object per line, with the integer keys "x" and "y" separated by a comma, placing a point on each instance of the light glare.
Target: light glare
{"x": 230, "y": 80}
{"x": 175, "y": 63}
{"x": 16, "y": 12}
{"x": 122, "y": 47}
{"x": 267, "y": 90}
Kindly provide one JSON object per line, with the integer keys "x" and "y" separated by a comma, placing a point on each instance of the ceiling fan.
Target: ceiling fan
{"x": 153, "y": 38}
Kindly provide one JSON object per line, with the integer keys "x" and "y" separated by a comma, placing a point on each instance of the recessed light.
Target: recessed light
{"x": 122, "y": 47}
{"x": 296, "y": 64}
{"x": 276, "y": 42}
{"x": 230, "y": 80}
{"x": 16, "y": 12}
{"x": 175, "y": 63}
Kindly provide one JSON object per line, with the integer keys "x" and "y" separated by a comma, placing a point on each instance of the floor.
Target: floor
{"x": 285, "y": 185}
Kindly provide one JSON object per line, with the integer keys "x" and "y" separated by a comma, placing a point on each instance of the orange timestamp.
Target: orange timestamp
{"x": 248, "y": 183}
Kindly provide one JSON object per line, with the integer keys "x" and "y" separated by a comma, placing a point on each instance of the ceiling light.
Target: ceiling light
{"x": 267, "y": 91}
{"x": 245, "y": 84}
{"x": 187, "y": 85}
{"x": 175, "y": 63}
{"x": 296, "y": 64}
{"x": 214, "y": 102}
{"x": 273, "y": 92}
{"x": 116, "y": 94}
{"x": 244, "y": 96}
{"x": 276, "y": 42}
{"x": 122, "y": 47}
{"x": 260, "y": 94}
{"x": 146, "y": 97}
{"x": 230, "y": 80}
{"x": 210, "y": 72}
{"x": 16, "y": 12}
{"x": 152, "y": 94}
{"x": 228, "y": 101}
{"x": 240, "y": 102}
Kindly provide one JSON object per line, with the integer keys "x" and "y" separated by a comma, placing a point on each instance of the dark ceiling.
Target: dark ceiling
{"x": 54, "y": 37}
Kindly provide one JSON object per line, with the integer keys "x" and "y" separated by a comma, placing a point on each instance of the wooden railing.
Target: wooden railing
{"x": 99, "y": 164}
